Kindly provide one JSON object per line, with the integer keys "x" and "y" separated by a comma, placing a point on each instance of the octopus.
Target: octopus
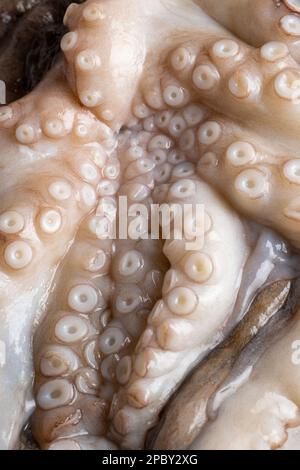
{"x": 37, "y": 25}
{"x": 115, "y": 336}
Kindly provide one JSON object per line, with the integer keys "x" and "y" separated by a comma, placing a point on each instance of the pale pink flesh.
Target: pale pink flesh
{"x": 179, "y": 83}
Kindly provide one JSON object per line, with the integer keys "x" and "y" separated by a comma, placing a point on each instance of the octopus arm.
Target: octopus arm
{"x": 107, "y": 358}
{"x": 71, "y": 395}
{"x": 189, "y": 409}
{"x": 199, "y": 292}
{"x": 123, "y": 279}
{"x": 259, "y": 414}
{"x": 247, "y": 172}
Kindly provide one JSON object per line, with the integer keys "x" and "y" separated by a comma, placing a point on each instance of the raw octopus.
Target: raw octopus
{"x": 165, "y": 102}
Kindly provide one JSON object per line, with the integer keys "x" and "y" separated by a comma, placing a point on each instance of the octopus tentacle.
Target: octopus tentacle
{"x": 68, "y": 383}
{"x": 71, "y": 392}
{"x": 252, "y": 173}
{"x": 127, "y": 323}
{"x": 92, "y": 52}
{"x": 225, "y": 148}
{"x": 178, "y": 330}
{"x": 260, "y": 413}
{"x": 250, "y": 83}
{"x": 212, "y": 375}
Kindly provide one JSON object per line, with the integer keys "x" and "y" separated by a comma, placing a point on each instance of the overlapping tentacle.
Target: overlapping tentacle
{"x": 104, "y": 69}
{"x": 83, "y": 350}
{"x": 71, "y": 394}
{"x": 59, "y": 152}
{"x": 258, "y": 22}
{"x": 264, "y": 408}
{"x": 184, "y": 95}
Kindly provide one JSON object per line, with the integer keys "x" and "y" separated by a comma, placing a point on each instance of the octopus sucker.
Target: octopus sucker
{"x": 36, "y": 25}
{"x": 272, "y": 22}
{"x": 124, "y": 325}
{"x": 43, "y": 216}
{"x": 187, "y": 298}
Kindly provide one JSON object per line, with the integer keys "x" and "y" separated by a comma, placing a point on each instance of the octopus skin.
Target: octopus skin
{"x": 264, "y": 411}
{"x": 179, "y": 329}
{"x": 214, "y": 375}
{"x": 36, "y": 25}
{"x": 271, "y": 20}
{"x": 39, "y": 219}
{"x": 161, "y": 104}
